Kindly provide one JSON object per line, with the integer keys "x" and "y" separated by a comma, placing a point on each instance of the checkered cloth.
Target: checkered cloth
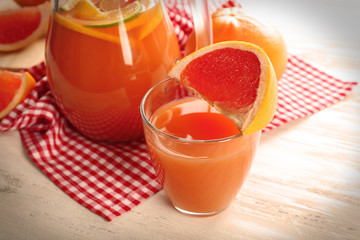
{"x": 111, "y": 179}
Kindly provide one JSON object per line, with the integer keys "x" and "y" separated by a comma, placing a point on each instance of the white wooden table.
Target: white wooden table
{"x": 304, "y": 184}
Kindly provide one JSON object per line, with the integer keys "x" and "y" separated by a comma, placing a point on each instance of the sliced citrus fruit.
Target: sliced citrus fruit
{"x": 237, "y": 78}
{"x": 67, "y": 5}
{"x": 106, "y": 14}
{"x": 109, "y": 5}
{"x": 120, "y": 15}
{"x": 235, "y": 24}
{"x": 14, "y": 88}
{"x": 86, "y": 10}
{"x": 68, "y": 23}
{"x": 20, "y": 27}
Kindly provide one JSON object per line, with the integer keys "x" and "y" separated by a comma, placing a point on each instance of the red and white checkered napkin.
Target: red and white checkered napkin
{"x": 304, "y": 90}
{"x": 112, "y": 179}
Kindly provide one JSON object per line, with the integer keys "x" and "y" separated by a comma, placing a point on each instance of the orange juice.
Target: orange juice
{"x": 198, "y": 154}
{"x": 99, "y": 72}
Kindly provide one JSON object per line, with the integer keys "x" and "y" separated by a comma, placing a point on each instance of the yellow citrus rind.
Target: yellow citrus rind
{"x": 268, "y": 105}
{"x": 66, "y": 22}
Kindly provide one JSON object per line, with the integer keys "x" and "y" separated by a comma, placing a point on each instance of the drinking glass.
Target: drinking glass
{"x": 101, "y": 58}
{"x": 200, "y": 177}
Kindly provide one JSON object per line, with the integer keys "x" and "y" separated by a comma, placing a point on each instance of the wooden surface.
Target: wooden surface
{"x": 304, "y": 184}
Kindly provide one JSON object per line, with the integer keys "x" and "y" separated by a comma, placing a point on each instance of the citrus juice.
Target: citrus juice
{"x": 198, "y": 154}
{"x": 193, "y": 118}
{"x": 99, "y": 69}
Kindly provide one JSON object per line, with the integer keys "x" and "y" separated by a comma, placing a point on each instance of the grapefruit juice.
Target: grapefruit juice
{"x": 199, "y": 156}
{"x": 99, "y": 71}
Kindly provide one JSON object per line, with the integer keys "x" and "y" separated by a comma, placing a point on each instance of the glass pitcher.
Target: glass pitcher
{"x": 101, "y": 58}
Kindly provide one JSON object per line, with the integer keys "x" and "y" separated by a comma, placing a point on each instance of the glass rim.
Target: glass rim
{"x": 181, "y": 139}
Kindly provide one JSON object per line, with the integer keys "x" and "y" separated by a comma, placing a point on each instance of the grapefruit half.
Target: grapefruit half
{"x": 237, "y": 78}
{"x": 14, "y": 88}
{"x": 20, "y": 27}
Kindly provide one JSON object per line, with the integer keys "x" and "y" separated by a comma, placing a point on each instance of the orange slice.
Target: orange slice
{"x": 86, "y": 13}
{"x": 94, "y": 32}
{"x": 105, "y": 25}
{"x": 20, "y": 27}
{"x": 237, "y": 78}
{"x": 86, "y": 10}
{"x": 67, "y": 5}
{"x": 14, "y": 88}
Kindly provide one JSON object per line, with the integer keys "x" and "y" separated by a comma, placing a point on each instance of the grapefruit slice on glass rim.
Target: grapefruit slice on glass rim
{"x": 20, "y": 27}
{"x": 236, "y": 78}
{"x": 14, "y": 88}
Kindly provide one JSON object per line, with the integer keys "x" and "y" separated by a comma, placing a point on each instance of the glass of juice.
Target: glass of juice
{"x": 101, "y": 58}
{"x": 200, "y": 157}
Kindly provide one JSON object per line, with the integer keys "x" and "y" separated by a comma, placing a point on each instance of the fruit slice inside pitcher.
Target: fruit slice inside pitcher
{"x": 102, "y": 19}
{"x": 103, "y": 13}
{"x": 236, "y": 78}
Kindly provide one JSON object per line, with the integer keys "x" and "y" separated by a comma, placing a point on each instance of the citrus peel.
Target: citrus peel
{"x": 88, "y": 14}
{"x": 94, "y": 32}
{"x": 67, "y": 5}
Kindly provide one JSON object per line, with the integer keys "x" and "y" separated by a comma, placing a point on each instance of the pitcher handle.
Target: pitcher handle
{"x": 202, "y": 23}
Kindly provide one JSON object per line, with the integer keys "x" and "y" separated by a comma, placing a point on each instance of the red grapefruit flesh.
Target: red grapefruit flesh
{"x": 20, "y": 27}
{"x": 14, "y": 88}
{"x": 240, "y": 78}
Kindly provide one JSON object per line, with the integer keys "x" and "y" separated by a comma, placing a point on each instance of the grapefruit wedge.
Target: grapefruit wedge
{"x": 237, "y": 78}
{"x": 14, "y": 88}
{"x": 20, "y": 27}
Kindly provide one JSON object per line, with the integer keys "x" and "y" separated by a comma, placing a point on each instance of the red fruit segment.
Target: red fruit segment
{"x": 20, "y": 27}
{"x": 14, "y": 88}
{"x": 236, "y": 80}
{"x": 18, "y": 24}
{"x": 10, "y": 86}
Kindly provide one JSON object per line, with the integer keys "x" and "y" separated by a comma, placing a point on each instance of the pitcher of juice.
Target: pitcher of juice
{"x": 101, "y": 58}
